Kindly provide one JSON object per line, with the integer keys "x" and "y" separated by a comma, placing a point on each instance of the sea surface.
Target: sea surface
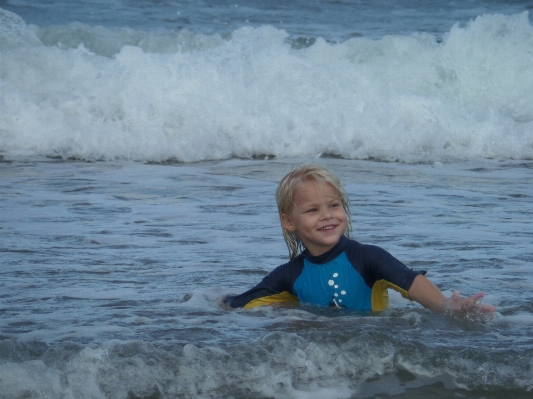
{"x": 141, "y": 143}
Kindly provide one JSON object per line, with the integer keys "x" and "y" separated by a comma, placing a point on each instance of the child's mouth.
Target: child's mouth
{"x": 327, "y": 228}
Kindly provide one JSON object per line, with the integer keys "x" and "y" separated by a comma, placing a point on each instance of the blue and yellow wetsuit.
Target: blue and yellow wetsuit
{"x": 350, "y": 275}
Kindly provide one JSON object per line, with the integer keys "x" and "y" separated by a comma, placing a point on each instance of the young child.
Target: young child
{"x": 327, "y": 268}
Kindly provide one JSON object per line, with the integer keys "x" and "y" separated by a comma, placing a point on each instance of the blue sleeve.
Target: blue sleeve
{"x": 279, "y": 280}
{"x": 375, "y": 264}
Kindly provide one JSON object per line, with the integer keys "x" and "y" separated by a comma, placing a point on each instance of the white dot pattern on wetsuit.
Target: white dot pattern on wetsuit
{"x": 331, "y": 283}
{"x": 318, "y": 283}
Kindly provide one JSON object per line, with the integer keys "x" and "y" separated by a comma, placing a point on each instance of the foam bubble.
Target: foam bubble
{"x": 15, "y": 33}
{"x": 29, "y": 379}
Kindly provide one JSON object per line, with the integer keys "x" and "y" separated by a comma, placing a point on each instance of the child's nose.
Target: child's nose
{"x": 326, "y": 213}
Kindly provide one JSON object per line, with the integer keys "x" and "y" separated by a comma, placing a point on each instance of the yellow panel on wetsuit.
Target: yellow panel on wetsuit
{"x": 283, "y": 297}
{"x": 380, "y": 296}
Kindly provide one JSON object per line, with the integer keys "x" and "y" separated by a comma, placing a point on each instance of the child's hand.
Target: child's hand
{"x": 424, "y": 292}
{"x": 468, "y": 308}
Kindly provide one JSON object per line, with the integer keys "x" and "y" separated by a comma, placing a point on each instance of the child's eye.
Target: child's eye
{"x": 311, "y": 210}
{"x": 335, "y": 205}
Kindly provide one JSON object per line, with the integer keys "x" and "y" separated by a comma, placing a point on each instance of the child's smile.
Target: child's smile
{"x": 318, "y": 216}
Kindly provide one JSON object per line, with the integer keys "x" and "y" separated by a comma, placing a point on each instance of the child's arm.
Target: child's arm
{"x": 424, "y": 292}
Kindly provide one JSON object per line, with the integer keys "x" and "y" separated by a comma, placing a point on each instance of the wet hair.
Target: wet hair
{"x": 285, "y": 198}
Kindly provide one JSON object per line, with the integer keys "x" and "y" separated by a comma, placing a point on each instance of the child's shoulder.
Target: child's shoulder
{"x": 293, "y": 265}
{"x": 356, "y": 248}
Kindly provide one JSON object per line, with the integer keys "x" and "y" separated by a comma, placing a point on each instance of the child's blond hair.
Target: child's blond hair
{"x": 285, "y": 198}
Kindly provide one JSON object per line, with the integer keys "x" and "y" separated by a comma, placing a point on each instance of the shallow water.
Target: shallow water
{"x": 112, "y": 276}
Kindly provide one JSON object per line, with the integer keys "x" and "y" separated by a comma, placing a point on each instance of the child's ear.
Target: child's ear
{"x": 286, "y": 222}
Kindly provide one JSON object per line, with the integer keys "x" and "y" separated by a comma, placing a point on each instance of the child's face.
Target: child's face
{"x": 317, "y": 216}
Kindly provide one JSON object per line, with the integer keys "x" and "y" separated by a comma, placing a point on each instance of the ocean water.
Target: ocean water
{"x": 141, "y": 143}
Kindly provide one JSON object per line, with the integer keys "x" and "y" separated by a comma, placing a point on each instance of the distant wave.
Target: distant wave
{"x": 93, "y": 93}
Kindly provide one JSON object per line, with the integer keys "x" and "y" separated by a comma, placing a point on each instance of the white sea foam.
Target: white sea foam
{"x": 93, "y": 93}
{"x": 279, "y": 365}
